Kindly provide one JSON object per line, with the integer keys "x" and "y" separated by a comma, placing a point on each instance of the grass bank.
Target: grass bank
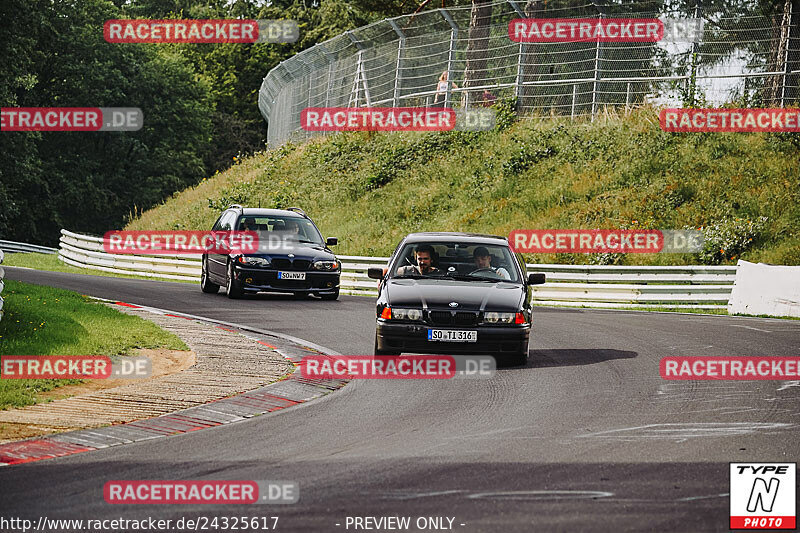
{"x": 46, "y": 321}
{"x": 371, "y": 189}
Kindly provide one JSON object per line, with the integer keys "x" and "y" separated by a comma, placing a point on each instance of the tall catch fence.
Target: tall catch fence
{"x": 750, "y": 58}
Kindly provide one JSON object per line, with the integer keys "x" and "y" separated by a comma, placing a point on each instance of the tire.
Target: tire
{"x": 205, "y": 285}
{"x": 383, "y": 352}
{"x": 334, "y": 296}
{"x": 233, "y": 289}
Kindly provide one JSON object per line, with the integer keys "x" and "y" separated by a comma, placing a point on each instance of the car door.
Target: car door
{"x": 218, "y": 262}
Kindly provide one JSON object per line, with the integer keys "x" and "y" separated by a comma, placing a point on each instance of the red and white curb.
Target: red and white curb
{"x": 287, "y": 392}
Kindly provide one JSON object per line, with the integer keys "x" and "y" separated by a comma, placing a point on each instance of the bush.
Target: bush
{"x": 726, "y": 239}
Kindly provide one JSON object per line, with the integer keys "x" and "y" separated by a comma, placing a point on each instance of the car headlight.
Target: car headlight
{"x": 499, "y": 318}
{"x": 406, "y": 314}
{"x": 251, "y": 260}
{"x": 326, "y": 266}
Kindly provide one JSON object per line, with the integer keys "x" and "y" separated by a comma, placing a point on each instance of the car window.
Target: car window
{"x": 226, "y": 222}
{"x": 299, "y": 229}
{"x": 457, "y": 260}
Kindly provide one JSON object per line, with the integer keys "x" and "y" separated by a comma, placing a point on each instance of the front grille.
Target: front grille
{"x": 301, "y": 264}
{"x": 288, "y": 264}
{"x": 440, "y": 318}
{"x": 449, "y": 318}
{"x": 282, "y": 264}
{"x": 466, "y": 319}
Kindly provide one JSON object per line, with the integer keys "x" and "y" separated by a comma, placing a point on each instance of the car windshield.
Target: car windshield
{"x": 462, "y": 261}
{"x": 278, "y": 230}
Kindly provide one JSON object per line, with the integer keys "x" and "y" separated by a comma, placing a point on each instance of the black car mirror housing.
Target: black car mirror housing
{"x": 331, "y": 241}
{"x": 536, "y": 279}
{"x": 375, "y": 272}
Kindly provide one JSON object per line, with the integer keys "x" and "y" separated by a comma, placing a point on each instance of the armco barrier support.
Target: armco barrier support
{"x": 1, "y": 285}
{"x": 696, "y": 287}
{"x": 762, "y": 289}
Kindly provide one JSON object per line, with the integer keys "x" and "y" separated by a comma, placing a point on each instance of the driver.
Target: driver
{"x": 424, "y": 254}
{"x": 483, "y": 262}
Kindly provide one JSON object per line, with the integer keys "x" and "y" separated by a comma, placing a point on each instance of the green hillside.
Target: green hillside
{"x": 370, "y": 189}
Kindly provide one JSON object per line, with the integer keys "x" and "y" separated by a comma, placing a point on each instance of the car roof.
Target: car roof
{"x": 473, "y": 238}
{"x": 257, "y": 211}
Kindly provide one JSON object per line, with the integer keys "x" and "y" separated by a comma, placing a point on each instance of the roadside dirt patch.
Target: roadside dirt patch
{"x": 222, "y": 363}
{"x": 164, "y": 362}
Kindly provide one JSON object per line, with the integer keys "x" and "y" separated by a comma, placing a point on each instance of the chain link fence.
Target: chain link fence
{"x": 463, "y": 56}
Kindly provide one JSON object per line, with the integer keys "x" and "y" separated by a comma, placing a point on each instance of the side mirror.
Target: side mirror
{"x": 331, "y": 241}
{"x": 536, "y": 279}
{"x": 375, "y": 272}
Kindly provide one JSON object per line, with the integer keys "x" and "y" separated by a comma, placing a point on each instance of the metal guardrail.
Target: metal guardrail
{"x": 2, "y": 273}
{"x": 697, "y": 287}
{"x": 10, "y": 247}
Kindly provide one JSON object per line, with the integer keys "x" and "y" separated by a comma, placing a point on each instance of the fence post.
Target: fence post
{"x": 786, "y": 57}
{"x": 399, "y": 64}
{"x": 520, "y": 65}
{"x": 451, "y": 53}
{"x": 627, "y": 98}
{"x": 596, "y": 72}
{"x": 574, "y": 97}
{"x": 698, "y": 14}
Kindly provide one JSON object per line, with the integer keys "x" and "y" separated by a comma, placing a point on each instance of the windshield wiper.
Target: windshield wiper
{"x": 467, "y": 277}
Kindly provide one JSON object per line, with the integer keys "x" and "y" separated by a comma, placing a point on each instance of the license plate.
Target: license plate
{"x": 452, "y": 335}
{"x": 291, "y": 275}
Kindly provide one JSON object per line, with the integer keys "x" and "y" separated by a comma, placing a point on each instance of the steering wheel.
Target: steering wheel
{"x": 490, "y": 270}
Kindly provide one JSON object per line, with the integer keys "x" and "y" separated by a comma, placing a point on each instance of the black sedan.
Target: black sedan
{"x": 454, "y": 293}
{"x": 292, "y": 256}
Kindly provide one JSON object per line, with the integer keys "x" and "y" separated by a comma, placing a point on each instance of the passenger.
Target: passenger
{"x": 425, "y": 256}
{"x": 483, "y": 262}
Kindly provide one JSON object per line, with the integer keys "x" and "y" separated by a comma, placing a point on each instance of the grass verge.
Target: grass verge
{"x": 50, "y": 262}
{"x": 47, "y": 321}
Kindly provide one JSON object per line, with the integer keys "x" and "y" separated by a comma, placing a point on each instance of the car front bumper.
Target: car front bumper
{"x": 413, "y": 338}
{"x": 263, "y": 280}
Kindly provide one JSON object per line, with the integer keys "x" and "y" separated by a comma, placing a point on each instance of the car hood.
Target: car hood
{"x": 439, "y": 293}
{"x": 310, "y": 252}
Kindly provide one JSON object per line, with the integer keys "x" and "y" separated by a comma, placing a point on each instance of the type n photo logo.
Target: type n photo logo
{"x": 763, "y": 496}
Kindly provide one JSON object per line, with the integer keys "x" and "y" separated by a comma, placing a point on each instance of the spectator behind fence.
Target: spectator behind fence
{"x": 441, "y": 89}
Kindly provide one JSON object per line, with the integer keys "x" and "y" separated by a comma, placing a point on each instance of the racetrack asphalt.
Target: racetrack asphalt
{"x": 586, "y": 437}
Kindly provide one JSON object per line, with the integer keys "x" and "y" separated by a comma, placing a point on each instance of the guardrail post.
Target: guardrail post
{"x": 451, "y": 53}
{"x": 399, "y": 63}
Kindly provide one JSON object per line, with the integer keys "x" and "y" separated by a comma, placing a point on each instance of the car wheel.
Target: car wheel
{"x": 383, "y": 352}
{"x": 233, "y": 288}
{"x": 206, "y": 285}
{"x": 333, "y": 296}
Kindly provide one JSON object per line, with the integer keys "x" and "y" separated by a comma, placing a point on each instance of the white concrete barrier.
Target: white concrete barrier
{"x": 762, "y": 289}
